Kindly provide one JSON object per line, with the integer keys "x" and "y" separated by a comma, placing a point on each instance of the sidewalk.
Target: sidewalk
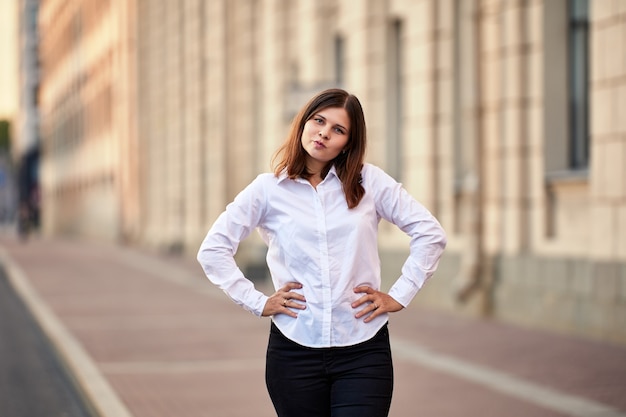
{"x": 149, "y": 336}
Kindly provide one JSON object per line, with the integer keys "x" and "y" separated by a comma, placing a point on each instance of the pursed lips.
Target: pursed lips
{"x": 319, "y": 143}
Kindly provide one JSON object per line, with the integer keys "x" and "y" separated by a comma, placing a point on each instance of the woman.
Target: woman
{"x": 328, "y": 352}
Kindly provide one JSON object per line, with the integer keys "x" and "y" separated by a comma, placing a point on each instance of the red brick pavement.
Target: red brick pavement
{"x": 164, "y": 342}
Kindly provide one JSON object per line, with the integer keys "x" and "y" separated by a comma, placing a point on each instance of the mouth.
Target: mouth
{"x": 319, "y": 143}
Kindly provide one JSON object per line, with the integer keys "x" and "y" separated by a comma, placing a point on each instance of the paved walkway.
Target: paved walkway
{"x": 34, "y": 382}
{"x": 148, "y": 336}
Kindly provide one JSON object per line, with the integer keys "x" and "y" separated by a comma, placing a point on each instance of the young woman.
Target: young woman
{"x": 328, "y": 352}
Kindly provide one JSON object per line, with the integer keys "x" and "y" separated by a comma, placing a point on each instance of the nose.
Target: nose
{"x": 323, "y": 134}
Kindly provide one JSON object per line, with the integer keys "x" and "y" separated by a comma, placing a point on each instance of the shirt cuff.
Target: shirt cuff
{"x": 404, "y": 290}
{"x": 258, "y": 305}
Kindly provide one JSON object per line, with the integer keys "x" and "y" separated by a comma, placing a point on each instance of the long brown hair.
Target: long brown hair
{"x": 291, "y": 156}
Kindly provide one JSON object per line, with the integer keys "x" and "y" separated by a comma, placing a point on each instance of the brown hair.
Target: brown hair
{"x": 291, "y": 156}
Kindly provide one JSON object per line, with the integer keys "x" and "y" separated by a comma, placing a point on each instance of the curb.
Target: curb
{"x": 98, "y": 393}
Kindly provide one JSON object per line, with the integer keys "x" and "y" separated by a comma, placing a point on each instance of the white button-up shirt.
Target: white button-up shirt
{"x": 314, "y": 239}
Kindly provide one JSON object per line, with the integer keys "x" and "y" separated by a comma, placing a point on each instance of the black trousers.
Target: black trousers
{"x": 330, "y": 382}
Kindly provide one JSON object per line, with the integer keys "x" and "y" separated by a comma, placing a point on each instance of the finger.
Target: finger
{"x": 294, "y": 296}
{"x": 369, "y": 309}
{"x": 289, "y": 312}
{"x": 290, "y": 295}
{"x": 364, "y": 289}
{"x": 287, "y": 306}
{"x": 293, "y": 304}
{"x": 361, "y": 301}
{"x": 291, "y": 286}
{"x": 372, "y": 316}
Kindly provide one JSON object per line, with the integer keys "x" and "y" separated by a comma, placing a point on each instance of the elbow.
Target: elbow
{"x": 203, "y": 255}
{"x": 209, "y": 262}
{"x": 214, "y": 256}
{"x": 443, "y": 241}
{"x": 207, "y": 255}
{"x": 204, "y": 259}
{"x": 438, "y": 236}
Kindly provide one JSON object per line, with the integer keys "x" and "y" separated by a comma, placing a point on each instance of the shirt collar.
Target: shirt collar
{"x": 283, "y": 174}
{"x": 333, "y": 171}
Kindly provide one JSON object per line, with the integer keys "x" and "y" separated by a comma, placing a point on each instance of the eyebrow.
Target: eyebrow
{"x": 336, "y": 124}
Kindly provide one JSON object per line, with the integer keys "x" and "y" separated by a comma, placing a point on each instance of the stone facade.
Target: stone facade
{"x": 88, "y": 179}
{"x": 494, "y": 113}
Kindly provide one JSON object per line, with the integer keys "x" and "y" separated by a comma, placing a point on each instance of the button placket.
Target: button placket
{"x": 324, "y": 262}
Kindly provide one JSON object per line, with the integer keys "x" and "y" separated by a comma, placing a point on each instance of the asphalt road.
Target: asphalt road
{"x": 33, "y": 381}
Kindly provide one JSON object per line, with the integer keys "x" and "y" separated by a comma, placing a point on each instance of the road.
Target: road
{"x": 146, "y": 335}
{"x": 33, "y": 380}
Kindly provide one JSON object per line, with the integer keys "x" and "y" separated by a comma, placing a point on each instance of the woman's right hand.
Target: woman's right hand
{"x": 284, "y": 301}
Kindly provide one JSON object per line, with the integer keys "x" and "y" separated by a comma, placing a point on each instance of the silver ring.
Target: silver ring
{"x": 285, "y": 301}
{"x": 375, "y": 306}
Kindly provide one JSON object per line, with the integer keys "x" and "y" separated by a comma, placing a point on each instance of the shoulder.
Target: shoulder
{"x": 266, "y": 179}
{"x": 268, "y": 183}
{"x": 379, "y": 184}
{"x": 369, "y": 168}
{"x": 373, "y": 175}
{"x": 257, "y": 188}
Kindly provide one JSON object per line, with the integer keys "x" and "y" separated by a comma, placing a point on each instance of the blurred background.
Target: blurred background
{"x": 136, "y": 122}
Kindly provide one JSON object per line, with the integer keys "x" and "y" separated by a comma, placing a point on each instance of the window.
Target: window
{"x": 339, "y": 60}
{"x": 566, "y": 99}
{"x": 395, "y": 113}
{"x": 578, "y": 83}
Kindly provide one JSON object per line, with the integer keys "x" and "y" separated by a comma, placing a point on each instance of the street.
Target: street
{"x": 33, "y": 381}
{"x": 147, "y": 335}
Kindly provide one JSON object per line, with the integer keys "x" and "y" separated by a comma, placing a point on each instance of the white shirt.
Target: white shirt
{"x": 314, "y": 239}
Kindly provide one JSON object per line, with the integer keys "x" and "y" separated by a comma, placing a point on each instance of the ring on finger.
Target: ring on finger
{"x": 285, "y": 301}
{"x": 375, "y": 306}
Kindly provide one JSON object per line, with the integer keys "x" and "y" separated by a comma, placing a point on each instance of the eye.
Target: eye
{"x": 340, "y": 131}
{"x": 318, "y": 120}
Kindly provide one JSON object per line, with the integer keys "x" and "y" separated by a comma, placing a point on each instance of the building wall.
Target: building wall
{"x": 88, "y": 187}
{"x": 11, "y": 38}
{"x": 466, "y": 103}
{"x": 9, "y": 30}
{"x": 26, "y": 129}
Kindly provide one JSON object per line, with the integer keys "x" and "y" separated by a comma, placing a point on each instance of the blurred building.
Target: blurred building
{"x": 8, "y": 108}
{"x": 504, "y": 117}
{"x": 26, "y": 146}
{"x": 19, "y": 123}
{"x": 8, "y": 69}
{"x": 27, "y": 126}
{"x": 89, "y": 185}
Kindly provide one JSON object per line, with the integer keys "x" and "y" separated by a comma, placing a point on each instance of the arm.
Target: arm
{"x": 217, "y": 251}
{"x": 428, "y": 239}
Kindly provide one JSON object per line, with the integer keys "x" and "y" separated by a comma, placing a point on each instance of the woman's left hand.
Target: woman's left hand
{"x": 376, "y": 303}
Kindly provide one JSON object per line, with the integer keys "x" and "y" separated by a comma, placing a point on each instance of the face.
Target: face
{"x": 324, "y": 136}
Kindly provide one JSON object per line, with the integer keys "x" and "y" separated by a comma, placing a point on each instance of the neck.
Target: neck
{"x": 315, "y": 170}
{"x": 315, "y": 180}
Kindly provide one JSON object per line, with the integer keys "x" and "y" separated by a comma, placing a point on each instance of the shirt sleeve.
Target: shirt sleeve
{"x": 217, "y": 251}
{"x": 427, "y": 237}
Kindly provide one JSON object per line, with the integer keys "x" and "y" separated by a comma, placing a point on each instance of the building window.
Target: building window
{"x": 339, "y": 60}
{"x": 395, "y": 99}
{"x": 578, "y": 83}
